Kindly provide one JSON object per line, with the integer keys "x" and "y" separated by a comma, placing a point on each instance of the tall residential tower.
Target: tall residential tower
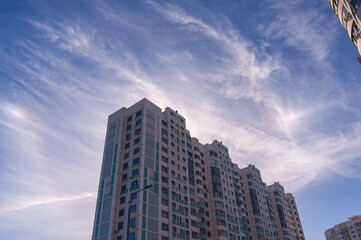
{"x": 159, "y": 183}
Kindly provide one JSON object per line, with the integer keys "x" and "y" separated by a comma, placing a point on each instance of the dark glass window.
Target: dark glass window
{"x": 133, "y": 196}
{"x": 133, "y": 209}
{"x": 135, "y": 161}
{"x": 136, "y": 141}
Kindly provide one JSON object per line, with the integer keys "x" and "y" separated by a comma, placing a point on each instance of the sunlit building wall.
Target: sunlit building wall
{"x": 287, "y": 220}
{"x": 349, "y": 15}
{"x": 260, "y": 213}
{"x": 145, "y": 145}
{"x": 296, "y": 221}
{"x": 197, "y": 191}
{"x": 349, "y": 230}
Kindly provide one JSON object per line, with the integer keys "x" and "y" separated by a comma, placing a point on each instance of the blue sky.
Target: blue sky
{"x": 277, "y": 81}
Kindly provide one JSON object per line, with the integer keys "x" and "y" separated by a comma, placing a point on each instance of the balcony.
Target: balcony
{"x": 200, "y": 214}
{"x": 200, "y": 204}
{"x": 202, "y": 236}
{"x": 220, "y": 217}
{"x": 201, "y": 225}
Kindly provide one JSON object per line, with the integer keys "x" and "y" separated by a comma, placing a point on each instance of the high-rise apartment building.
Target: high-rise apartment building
{"x": 157, "y": 182}
{"x": 260, "y": 213}
{"x": 349, "y": 230}
{"x": 296, "y": 222}
{"x": 287, "y": 220}
{"x": 349, "y": 15}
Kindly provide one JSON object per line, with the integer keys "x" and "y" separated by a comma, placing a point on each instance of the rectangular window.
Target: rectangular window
{"x": 164, "y": 179}
{"x": 133, "y": 209}
{"x": 136, "y": 141}
{"x": 164, "y": 202}
{"x": 133, "y": 196}
{"x": 129, "y": 127}
{"x": 124, "y": 177}
{"x": 164, "y": 190}
{"x": 127, "y": 138}
{"x": 132, "y": 236}
{"x": 127, "y": 146}
{"x": 125, "y": 166}
{"x": 132, "y": 222}
{"x": 126, "y": 155}
{"x": 134, "y": 183}
{"x": 138, "y": 122}
{"x": 164, "y": 159}
{"x": 135, "y": 172}
{"x": 164, "y": 214}
{"x": 136, "y": 151}
{"x": 129, "y": 119}
{"x": 121, "y": 212}
{"x": 120, "y": 226}
{"x": 123, "y": 188}
{"x": 164, "y": 227}
{"x": 137, "y": 132}
{"x": 122, "y": 200}
{"x": 135, "y": 161}
{"x": 138, "y": 114}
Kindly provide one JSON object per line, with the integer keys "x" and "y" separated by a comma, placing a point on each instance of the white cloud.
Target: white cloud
{"x": 303, "y": 27}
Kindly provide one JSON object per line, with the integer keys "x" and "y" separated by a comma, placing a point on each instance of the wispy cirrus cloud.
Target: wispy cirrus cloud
{"x": 301, "y": 26}
{"x": 71, "y": 73}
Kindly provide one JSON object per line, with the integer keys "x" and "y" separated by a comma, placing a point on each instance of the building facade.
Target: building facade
{"x": 196, "y": 191}
{"x": 287, "y": 220}
{"x": 349, "y": 230}
{"x": 260, "y": 213}
{"x": 296, "y": 222}
{"x": 348, "y": 13}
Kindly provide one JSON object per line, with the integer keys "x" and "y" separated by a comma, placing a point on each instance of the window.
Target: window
{"x": 121, "y": 212}
{"x": 164, "y": 179}
{"x": 164, "y": 227}
{"x": 125, "y": 166}
{"x": 138, "y": 114}
{"x": 135, "y": 172}
{"x": 164, "y": 202}
{"x": 126, "y": 155}
{"x": 132, "y": 222}
{"x": 132, "y": 236}
{"x": 164, "y": 214}
{"x": 133, "y": 196}
{"x": 355, "y": 4}
{"x": 127, "y": 146}
{"x": 138, "y": 122}
{"x": 120, "y": 225}
{"x": 129, "y": 127}
{"x": 137, "y": 132}
{"x": 130, "y": 119}
{"x": 135, "y": 161}
{"x": 164, "y": 169}
{"x": 124, "y": 177}
{"x": 122, "y": 200}
{"x": 164, "y": 159}
{"x": 133, "y": 209}
{"x": 134, "y": 184}
{"x": 164, "y": 190}
{"x": 136, "y": 151}
{"x": 127, "y": 138}
{"x": 164, "y": 149}
{"x": 136, "y": 141}
{"x": 123, "y": 188}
